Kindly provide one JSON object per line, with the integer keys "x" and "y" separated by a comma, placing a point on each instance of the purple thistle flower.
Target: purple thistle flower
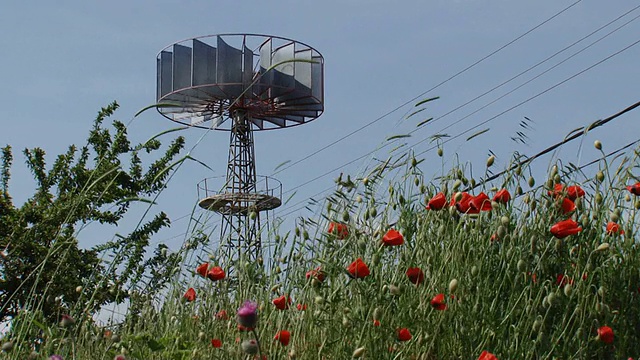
{"x": 247, "y": 314}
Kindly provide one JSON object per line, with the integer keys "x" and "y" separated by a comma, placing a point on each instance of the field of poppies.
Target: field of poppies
{"x": 396, "y": 266}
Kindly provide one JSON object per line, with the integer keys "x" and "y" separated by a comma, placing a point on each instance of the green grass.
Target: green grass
{"x": 505, "y": 296}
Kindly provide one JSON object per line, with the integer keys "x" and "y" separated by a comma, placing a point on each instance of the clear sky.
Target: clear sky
{"x": 63, "y": 60}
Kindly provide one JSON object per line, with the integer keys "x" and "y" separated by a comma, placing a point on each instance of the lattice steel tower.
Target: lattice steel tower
{"x": 240, "y": 83}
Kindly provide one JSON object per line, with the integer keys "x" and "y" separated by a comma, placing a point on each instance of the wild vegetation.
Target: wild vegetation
{"x": 394, "y": 266}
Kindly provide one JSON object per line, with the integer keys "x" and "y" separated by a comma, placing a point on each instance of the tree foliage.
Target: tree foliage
{"x": 42, "y": 264}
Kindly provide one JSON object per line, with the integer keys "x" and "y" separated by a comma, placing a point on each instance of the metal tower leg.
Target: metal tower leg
{"x": 240, "y": 237}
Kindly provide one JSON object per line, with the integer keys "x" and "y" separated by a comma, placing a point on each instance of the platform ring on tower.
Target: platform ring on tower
{"x": 266, "y": 196}
{"x": 279, "y": 82}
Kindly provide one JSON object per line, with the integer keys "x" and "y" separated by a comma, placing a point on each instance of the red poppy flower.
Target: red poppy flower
{"x": 565, "y": 228}
{"x": 634, "y": 189}
{"x": 437, "y": 202}
{"x": 222, "y": 315}
{"x": 464, "y": 204}
{"x": 301, "y": 307}
{"x": 339, "y": 230}
{"x": 480, "y": 202}
{"x": 567, "y": 205}
{"x": 283, "y": 336}
{"x": 216, "y": 273}
{"x": 534, "y": 277}
{"x": 438, "y": 302}
{"x": 316, "y": 273}
{"x": 487, "y": 356}
{"x": 605, "y": 334}
{"x": 202, "y": 269}
{"x": 190, "y": 295}
{"x": 392, "y": 238}
{"x": 281, "y": 302}
{"x": 614, "y": 228}
{"x": 572, "y": 192}
{"x": 502, "y": 196}
{"x": 216, "y": 343}
{"x": 562, "y": 280}
{"x": 376, "y": 322}
{"x": 358, "y": 269}
{"x": 494, "y": 238}
{"x": 404, "y": 334}
{"x": 415, "y": 275}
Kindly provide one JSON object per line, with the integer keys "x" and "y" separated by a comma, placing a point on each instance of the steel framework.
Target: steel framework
{"x": 240, "y": 83}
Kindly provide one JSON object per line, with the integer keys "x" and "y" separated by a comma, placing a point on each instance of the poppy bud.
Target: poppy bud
{"x": 597, "y": 144}
{"x": 78, "y": 289}
{"x": 253, "y": 215}
{"x": 490, "y": 160}
{"x": 602, "y": 247}
{"x": 568, "y": 290}
{"x": 600, "y": 176}
{"x": 474, "y": 270}
{"x": 358, "y": 352}
{"x": 346, "y": 322}
{"x": 7, "y": 346}
{"x": 453, "y": 285}
{"x": 456, "y": 185}
{"x": 394, "y": 290}
{"x": 531, "y": 181}
{"x": 250, "y": 346}
{"x": 67, "y": 321}
{"x": 319, "y": 300}
{"x": 440, "y": 152}
{"x": 377, "y": 313}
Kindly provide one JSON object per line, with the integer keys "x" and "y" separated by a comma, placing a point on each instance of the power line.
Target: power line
{"x": 537, "y": 95}
{"x": 540, "y": 63}
{"x": 437, "y": 86}
{"x": 594, "y": 125}
{"x": 431, "y": 89}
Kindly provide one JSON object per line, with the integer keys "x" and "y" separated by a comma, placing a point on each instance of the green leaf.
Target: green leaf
{"x": 415, "y": 112}
{"x": 158, "y": 105}
{"x": 478, "y": 134}
{"x": 136, "y": 198}
{"x": 424, "y": 122}
{"x": 398, "y": 137}
{"x": 281, "y": 165}
{"x": 426, "y": 101}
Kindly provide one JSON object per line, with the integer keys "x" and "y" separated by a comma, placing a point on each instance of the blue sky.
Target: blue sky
{"x": 62, "y": 61}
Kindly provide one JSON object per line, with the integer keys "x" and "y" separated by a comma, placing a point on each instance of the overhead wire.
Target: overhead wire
{"x": 460, "y": 72}
{"x": 535, "y": 96}
{"x": 511, "y": 108}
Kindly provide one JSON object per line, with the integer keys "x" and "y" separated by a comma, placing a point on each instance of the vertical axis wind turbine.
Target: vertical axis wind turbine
{"x": 240, "y": 83}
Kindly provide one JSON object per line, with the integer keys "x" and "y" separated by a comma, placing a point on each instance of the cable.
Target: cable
{"x": 540, "y": 63}
{"x": 594, "y": 125}
{"x": 536, "y": 96}
{"x": 431, "y": 89}
{"x": 449, "y": 79}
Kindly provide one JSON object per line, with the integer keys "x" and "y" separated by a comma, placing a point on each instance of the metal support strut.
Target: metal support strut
{"x": 240, "y": 236}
